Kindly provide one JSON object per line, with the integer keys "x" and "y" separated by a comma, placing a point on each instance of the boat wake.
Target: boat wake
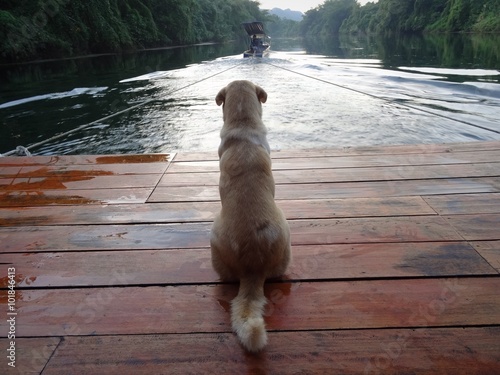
{"x": 57, "y": 95}
{"x": 313, "y": 102}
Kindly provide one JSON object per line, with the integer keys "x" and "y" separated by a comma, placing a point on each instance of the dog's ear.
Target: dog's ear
{"x": 261, "y": 94}
{"x": 221, "y": 96}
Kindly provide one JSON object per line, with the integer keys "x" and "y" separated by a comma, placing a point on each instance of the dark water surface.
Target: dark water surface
{"x": 322, "y": 93}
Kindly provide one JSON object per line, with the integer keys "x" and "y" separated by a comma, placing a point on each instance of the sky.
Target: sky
{"x": 301, "y": 5}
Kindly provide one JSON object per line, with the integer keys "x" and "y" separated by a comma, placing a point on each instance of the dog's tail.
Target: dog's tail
{"x": 246, "y": 313}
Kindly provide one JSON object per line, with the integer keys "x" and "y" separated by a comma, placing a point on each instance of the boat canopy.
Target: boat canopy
{"x": 254, "y": 28}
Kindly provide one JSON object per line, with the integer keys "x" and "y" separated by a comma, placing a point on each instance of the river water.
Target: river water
{"x": 338, "y": 93}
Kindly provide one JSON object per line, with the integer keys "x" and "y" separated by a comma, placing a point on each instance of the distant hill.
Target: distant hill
{"x": 287, "y": 14}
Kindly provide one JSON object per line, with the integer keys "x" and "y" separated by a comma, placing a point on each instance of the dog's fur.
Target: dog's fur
{"x": 250, "y": 238}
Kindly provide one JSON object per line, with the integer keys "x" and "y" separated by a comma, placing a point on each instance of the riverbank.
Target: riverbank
{"x": 62, "y": 28}
{"x": 111, "y": 53}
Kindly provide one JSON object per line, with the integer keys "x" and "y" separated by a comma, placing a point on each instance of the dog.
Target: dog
{"x": 250, "y": 237}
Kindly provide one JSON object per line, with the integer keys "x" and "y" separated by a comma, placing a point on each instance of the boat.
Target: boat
{"x": 260, "y": 43}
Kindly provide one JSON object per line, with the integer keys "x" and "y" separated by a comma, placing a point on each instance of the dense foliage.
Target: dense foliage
{"x": 34, "y": 29}
{"x": 407, "y": 16}
{"x": 37, "y": 29}
{"x": 280, "y": 27}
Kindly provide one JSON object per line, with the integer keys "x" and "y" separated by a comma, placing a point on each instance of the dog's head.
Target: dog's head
{"x": 239, "y": 96}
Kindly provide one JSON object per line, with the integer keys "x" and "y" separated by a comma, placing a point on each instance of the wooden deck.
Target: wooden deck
{"x": 395, "y": 271}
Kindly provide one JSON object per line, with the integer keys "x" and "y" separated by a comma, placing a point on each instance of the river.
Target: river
{"x": 325, "y": 93}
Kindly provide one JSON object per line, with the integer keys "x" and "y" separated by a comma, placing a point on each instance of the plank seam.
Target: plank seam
{"x": 268, "y": 283}
{"x": 474, "y": 326}
{"x": 61, "y": 339}
{"x": 169, "y": 163}
{"x": 482, "y": 257}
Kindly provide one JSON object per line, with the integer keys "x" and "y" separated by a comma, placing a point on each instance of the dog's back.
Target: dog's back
{"x": 250, "y": 238}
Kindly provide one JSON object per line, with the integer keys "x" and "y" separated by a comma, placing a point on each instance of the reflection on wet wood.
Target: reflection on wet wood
{"x": 310, "y": 262}
{"x": 64, "y": 160}
{"x": 74, "y": 180}
{"x": 195, "y": 235}
{"x": 422, "y": 351}
{"x": 293, "y": 306}
{"x": 347, "y": 174}
{"x": 394, "y": 188}
{"x": 79, "y": 182}
{"x": 396, "y": 265}
{"x": 182, "y": 212}
{"x": 360, "y": 150}
{"x": 354, "y": 161}
{"x": 35, "y": 198}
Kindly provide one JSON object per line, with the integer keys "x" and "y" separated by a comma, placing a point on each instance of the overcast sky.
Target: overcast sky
{"x": 302, "y": 5}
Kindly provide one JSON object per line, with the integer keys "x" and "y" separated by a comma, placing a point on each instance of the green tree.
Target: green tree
{"x": 278, "y": 27}
{"x": 404, "y": 16}
{"x": 34, "y": 29}
{"x": 327, "y": 19}
{"x": 362, "y": 19}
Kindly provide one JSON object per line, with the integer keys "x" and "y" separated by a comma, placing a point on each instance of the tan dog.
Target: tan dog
{"x": 250, "y": 238}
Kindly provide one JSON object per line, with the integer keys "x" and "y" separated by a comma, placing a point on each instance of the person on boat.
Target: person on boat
{"x": 254, "y": 43}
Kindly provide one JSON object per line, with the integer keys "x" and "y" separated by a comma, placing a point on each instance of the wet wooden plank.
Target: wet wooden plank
{"x": 489, "y": 250}
{"x": 355, "y": 207}
{"x": 31, "y": 198}
{"x": 105, "y": 237}
{"x": 32, "y": 354}
{"x": 442, "y": 351}
{"x": 110, "y": 214}
{"x": 80, "y": 182}
{"x": 476, "y": 227}
{"x": 363, "y": 150}
{"x": 190, "y": 179}
{"x": 348, "y": 174}
{"x": 369, "y": 189}
{"x": 389, "y": 188}
{"x": 354, "y": 161}
{"x": 5, "y": 182}
{"x": 183, "y": 266}
{"x": 182, "y": 212}
{"x": 372, "y": 230}
{"x": 459, "y": 204}
{"x": 293, "y": 306}
{"x": 93, "y": 169}
{"x": 64, "y": 160}
{"x": 356, "y": 261}
{"x": 9, "y": 172}
{"x": 111, "y": 268}
{"x": 194, "y": 235}
{"x": 430, "y": 148}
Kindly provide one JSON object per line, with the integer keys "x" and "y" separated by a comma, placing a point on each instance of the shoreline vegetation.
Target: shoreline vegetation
{"x": 48, "y": 29}
{"x": 402, "y": 16}
{"x": 56, "y": 29}
{"x": 113, "y": 53}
